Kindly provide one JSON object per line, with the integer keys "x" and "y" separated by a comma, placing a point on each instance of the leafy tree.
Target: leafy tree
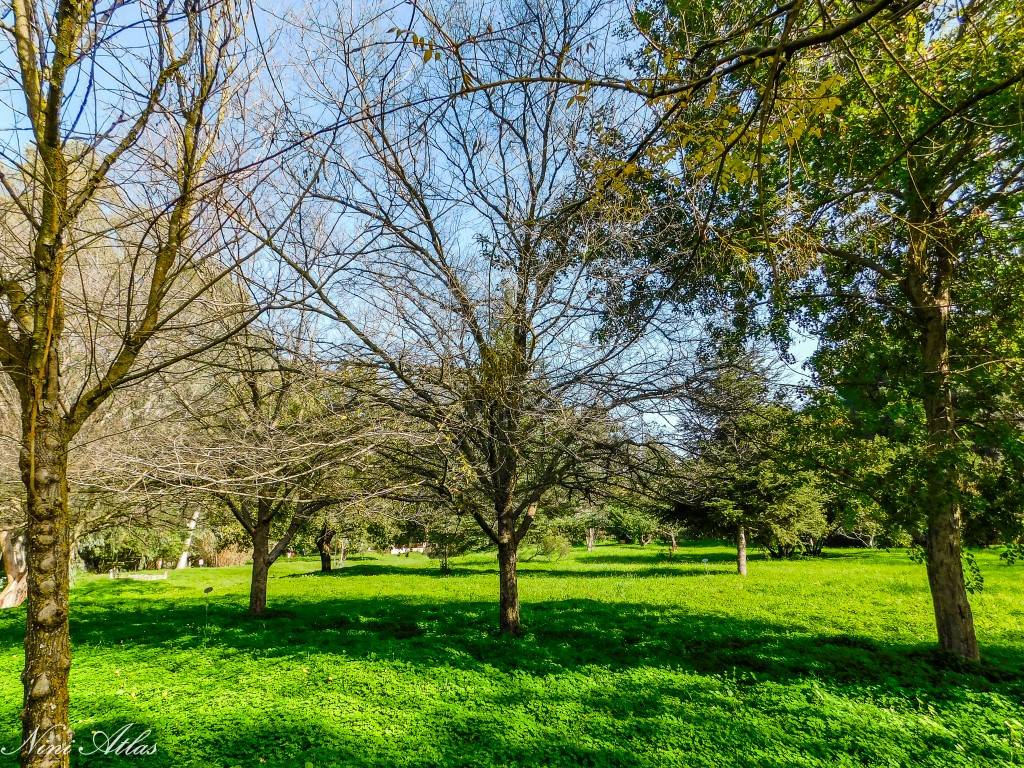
{"x": 873, "y": 193}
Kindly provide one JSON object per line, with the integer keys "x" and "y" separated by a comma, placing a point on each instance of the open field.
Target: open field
{"x": 629, "y": 659}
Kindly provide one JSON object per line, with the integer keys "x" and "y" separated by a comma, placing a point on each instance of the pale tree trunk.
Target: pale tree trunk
{"x": 187, "y": 548}
{"x": 672, "y": 544}
{"x": 591, "y": 539}
{"x": 741, "y": 550}
{"x": 12, "y": 549}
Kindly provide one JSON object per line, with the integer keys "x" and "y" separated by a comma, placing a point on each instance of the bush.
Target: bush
{"x": 553, "y": 545}
{"x": 636, "y": 526}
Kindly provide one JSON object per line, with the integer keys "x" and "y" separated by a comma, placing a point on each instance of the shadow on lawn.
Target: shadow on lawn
{"x": 669, "y": 568}
{"x": 561, "y": 635}
{"x": 287, "y": 741}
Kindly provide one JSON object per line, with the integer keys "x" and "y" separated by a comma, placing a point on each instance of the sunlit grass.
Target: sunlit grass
{"x": 629, "y": 659}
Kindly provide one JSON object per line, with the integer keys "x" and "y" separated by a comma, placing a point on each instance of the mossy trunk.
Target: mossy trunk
{"x": 46, "y": 735}
{"x": 954, "y": 620}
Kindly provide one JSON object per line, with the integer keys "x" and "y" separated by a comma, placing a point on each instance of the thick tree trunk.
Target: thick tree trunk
{"x": 741, "y": 550}
{"x": 591, "y": 539}
{"x": 260, "y": 569}
{"x": 186, "y": 549}
{"x": 509, "y": 589}
{"x": 12, "y": 549}
{"x": 953, "y": 618}
{"x": 46, "y": 736}
{"x": 323, "y": 545}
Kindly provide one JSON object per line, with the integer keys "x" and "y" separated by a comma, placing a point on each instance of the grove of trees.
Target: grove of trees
{"x": 504, "y": 275}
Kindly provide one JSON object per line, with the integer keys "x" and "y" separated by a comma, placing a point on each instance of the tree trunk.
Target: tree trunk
{"x": 260, "y": 568}
{"x": 953, "y": 618}
{"x": 591, "y": 539}
{"x": 186, "y": 549}
{"x": 672, "y": 544}
{"x": 741, "y": 550}
{"x": 954, "y": 621}
{"x": 12, "y": 549}
{"x": 930, "y": 266}
{"x": 509, "y": 589}
{"x": 46, "y": 736}
{"x": 323, "y": 545}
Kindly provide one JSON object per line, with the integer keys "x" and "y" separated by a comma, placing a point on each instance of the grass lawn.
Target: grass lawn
{"x": 629, "y": 659}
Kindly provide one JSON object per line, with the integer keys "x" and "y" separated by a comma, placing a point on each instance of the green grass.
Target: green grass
{"x": 629, "y": 659}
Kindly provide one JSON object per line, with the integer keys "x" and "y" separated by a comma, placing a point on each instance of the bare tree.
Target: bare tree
{"x": 123, "y": 106}
{"x": 442, "y": 255}
{"x": 273, "y": 438}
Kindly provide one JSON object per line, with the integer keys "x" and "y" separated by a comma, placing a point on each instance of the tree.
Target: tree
{"x": 478, "y": 312}
{"x": 927, "y": 106}
{"x": 931, "y": 111}
{"x": 449, "y": 535}
{"x": 138, "y": 174}
{"x": 634, "y": 522}
{"x": 273, "y": 439}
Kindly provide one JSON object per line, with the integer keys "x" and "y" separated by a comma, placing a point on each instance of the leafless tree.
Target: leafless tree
{"x": 440, "y": 251}
{"x": 119, "y": 170}
{"x": 272, "y": 437}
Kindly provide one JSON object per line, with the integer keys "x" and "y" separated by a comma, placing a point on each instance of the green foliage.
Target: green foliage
{"x": 628, "y": 660}
{"x": 633, "y": 523}
{"x": 551, "y": 545}
{"x": 450, "y": 535}
{"x": 751, "y": 471}
{"x": 130, "y": 548}
{"x": 794, "y": 519}
{"x": 1013, "y": 552}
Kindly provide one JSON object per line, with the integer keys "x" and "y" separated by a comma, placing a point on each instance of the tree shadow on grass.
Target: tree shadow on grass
{"x": 561, "y": 635}
{"x": 473, "y": 739}
{"x": 386, "y": 569}
{"x": 536, "y": 569}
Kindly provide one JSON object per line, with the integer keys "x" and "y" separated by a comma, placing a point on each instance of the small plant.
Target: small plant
{"x": 206, "y": 625}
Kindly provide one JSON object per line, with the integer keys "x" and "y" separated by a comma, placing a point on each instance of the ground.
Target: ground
{"x": 630, "y": 659}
